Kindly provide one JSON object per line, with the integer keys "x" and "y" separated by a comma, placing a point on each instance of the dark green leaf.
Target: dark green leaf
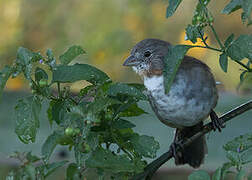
{"x": 72, "y": 172}
{"x": 232, "y": 6}
{"x": 140, "y": 87}
{"x": 57, "y": 111}
{"x": 217, "y": 174}
{"x": 5, "y": 73}
{"x": 145, "y": 145}
{"x": 173, "y": 5}
{"x": 247, "y": 9}
{"x": 193, "y": 32}
{"x": 233, "y": 157}
{"x": 172, "y": 61}
{"x": 132, "y": 110}
{"x": 30, "y": 171}
{"x": 71, "y": 54}
{"x": 50, "y": 144}
{"x": 223, "y": 62}
{"x": 27, "y": 111}
{"x": 106, "y": 160}
{"x": 241, "y": 48}
{"x": 242, "y": 75}
{"x": 240, "y": 175}
{"x": 125, "y": 89}
{"x": 199, "y": 175}
{"x": 40, "y": 74}
{"x": 32, "y": 158}
{"x": 229, "y": 40}
{"x": 123, "y": 124}
{"x": 50, "y": 168}
{"x": 65, "y": 74}
{"x": 246, "y": 156}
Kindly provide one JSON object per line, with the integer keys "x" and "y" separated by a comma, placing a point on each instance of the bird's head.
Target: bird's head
{"x": 147, "y": 57}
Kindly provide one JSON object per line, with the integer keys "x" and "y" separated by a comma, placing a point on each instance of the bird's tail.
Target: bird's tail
{"x": 194, "y": 153}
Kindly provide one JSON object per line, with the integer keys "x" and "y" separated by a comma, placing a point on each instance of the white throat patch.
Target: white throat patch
{"x": 154, "y": 82}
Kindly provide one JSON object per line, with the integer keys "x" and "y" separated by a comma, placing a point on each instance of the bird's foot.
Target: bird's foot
{"x": 217, "y": 123}
{"x": 174, "y": 146}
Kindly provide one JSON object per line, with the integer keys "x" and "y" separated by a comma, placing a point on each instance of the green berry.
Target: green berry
{"x": 210, "y": 19}
{"x": 199, "y": 18}
{"x": 43, "y": 83}
{"x": 85, "y": 148}
{"x": 69, "y": 131}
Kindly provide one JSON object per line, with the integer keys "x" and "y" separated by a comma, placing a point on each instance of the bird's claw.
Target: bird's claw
{"x": 217, "y": 123}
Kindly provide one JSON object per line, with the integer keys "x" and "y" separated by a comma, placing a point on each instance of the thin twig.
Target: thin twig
{"x": 151, "y": 168}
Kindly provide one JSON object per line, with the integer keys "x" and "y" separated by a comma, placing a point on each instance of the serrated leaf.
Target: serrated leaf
{"x": 217, "y": 174}
{"x": 72, "y": 172}
{"x": 229, "y": 40}
{"x": 172, "y": 62}
{"x": 5, "y": 73}
{"x": 77, "y": 72}
{"x": 223, "y": 62}
{"x": 173, "y": 5}
{"x": 106, "y": 160}
{"x": 123, "y": 124}
{"x": 232, "y": 6}
{"x": 27, "y": 112}
{"x": 199, "y": 175}
{"x": 132, "y": 110}
{"x": 145, "y": 145}
{"x": 71, "y": 54}
{"x": 241, "y": 48}
{"x": 192, "y": 33}
{"x": 50, "y": 168}
{"x": 125, "y": 89}
{"x": 40, "y": 74}
{"x": 50, "y": 144}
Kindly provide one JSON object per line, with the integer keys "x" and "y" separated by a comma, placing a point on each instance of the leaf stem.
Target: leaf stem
{"x": 58, "y": 87}
{"x": 217, "y": 37}
{"x": 243, "y": 65}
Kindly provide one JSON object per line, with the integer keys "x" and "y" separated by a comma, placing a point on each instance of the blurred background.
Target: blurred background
{"x": 107, "y": 30}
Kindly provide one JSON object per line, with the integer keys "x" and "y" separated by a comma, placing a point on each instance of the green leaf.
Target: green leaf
{"x": 50, "y": 144}
{"x": 172, "y": 61}
{"x": 132, "y": 110}
{"x": 57, "y": 111}
{"x": 246, "y": 156}
{"x": 199, "y": 175}
{"x": 241, "y": 48}
{"x": 224, "y": 169}
{"x": 247, "y": 9}
{"x": 145, "y": 145}
{"x": 77, "y": 72}
{"x": 173, "y": 5}
{"x": 32, "y": 158}
{"x": 229, "y": 40}
{"x": 31, "y": 171}
{"x": 233, "y": 157}
{"x": 223, "y": 62}
{"x": 217, "y": 174}
{"x": 40, "y": 74}
{"x": 71, "y": 54}
{"x": 192, "y": 33}
{"x": 123, "y": 124}
{"x": 232, "y": 6}
{"x": 50, "y": 168}
{"x": 239, "y": 144}
{"x": 240, "y": 175}
{"x": 27, "y": 112}
{"x": 72, "y": 172}
{"x": 106, "y": 160}
{"x": 5, "y": 73}
{"x": 125, "y": 89}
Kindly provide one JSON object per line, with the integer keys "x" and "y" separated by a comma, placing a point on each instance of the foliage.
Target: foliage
{"x": 91, "y": 123}
{"x": 238, "y": 151}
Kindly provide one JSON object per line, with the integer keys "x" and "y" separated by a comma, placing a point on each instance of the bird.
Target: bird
{"x": 191, "y": 99}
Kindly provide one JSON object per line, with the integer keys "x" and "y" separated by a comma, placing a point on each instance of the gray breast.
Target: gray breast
{"x": 192, "y": 96}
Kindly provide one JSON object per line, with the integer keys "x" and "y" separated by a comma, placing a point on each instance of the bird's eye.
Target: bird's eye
{"x": 147, "y": 53}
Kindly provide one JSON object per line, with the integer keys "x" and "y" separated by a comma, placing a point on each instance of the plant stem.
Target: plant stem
{"x": 151, "y": 168}
{"x": 207, "y": 47}
{"x": 217, "y": 37}
{"x": 243, "y": 65}
{"x": 58, "y": 86}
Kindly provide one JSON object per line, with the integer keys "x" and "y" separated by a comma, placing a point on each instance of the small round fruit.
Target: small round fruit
{"x": 76, "y": 131}
{"x": 210, "y": 19}
{"x": 85, "y": 148}
{"x": 69, "y": 131}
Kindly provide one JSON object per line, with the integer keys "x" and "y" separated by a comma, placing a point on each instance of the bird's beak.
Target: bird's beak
{"x": 131, "y": 61}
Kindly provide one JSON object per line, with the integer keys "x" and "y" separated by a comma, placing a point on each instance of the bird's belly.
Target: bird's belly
{"x": 178, "y": 111}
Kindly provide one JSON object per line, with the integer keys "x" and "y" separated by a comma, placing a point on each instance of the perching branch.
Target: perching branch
{"x": 151, "y": 168}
